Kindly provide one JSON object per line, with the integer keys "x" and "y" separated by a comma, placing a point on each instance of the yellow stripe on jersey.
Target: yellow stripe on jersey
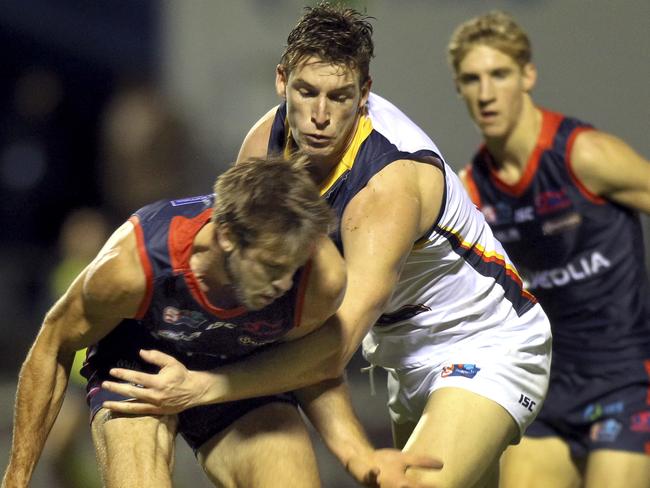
{"x": 485, "y": 255}
{"x": 363, "y": 130}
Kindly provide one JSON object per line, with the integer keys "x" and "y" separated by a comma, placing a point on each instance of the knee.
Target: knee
{"x": 135, "y": 436}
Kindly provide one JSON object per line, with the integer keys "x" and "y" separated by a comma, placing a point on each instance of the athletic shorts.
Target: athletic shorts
{"x": 608, "y": 408}
{"x": 121, "y": 349}
{"x": 515, "y": 379}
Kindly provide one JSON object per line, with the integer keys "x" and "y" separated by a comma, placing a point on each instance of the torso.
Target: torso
{"x": 580, "y": 254}
{"x": 175, "y": 312}
{"x": 456, "y": 256}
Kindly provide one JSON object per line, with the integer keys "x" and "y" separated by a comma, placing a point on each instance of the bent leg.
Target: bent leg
{"x": 539, "y": 463}
{"x": 468, "y": 432}
{"x": 268, "y": 447}
{"x": 617, "y": 469}
{"x": 134, "y": 450}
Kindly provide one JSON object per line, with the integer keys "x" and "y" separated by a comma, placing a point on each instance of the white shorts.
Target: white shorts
{"x": 514, "y": 377}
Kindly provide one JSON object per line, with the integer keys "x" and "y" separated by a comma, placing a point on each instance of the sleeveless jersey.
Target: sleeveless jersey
{"x": 176, "y": 315}
{"x": 457, "y": 280}
{"x": 581, "y": 255}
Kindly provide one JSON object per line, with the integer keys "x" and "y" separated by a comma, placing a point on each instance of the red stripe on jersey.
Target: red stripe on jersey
{"x": 592, "y": 197}
{"x": 146, "y": 267}
{"x": 550, "y": 123}
{"x": 182, "y": 232}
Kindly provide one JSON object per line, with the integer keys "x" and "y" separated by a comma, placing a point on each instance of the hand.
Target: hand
{"x": 170, "y": 391}
{"x": 386, "y": 468}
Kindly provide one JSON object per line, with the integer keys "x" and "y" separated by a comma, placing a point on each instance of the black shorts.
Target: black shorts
{"x": 589, "y": 408}
{"x": 121, "y": 349}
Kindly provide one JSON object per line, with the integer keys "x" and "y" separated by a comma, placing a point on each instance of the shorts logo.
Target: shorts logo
{"x": 595, "y": 410}
{"x": 466, "y": 370}
{"x": 640, "y": 422}
{"x": 526, "y": 402}
{"x": 605, "y": 431}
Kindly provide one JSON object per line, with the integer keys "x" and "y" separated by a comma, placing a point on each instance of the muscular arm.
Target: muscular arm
{"x": 88, "y": 310}
{"x": 610, "y": 168}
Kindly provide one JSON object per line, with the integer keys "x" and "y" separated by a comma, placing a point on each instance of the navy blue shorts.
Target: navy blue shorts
{"x": 121, "y": 349}
{"x": 591, "y": 408}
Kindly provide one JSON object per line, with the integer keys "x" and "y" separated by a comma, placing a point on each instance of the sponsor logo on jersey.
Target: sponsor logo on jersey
{"x": 249, "y": 341}
{"x": 261, "y": 328}
{"x": 605, "y": 431}
{"x": 563, "y": 224}
{"x": 466, "y": 370}
{"x": 595, "y": 410}
{"x": 524, "y": 214}
{"x": 191, "y": 318}
{"x": 552, "y": 201}
{"x": 640, "y": 422}
{"x": 508, "y": 235}
{"x": 577, "y": 270}
{"x": 489, "y": 213}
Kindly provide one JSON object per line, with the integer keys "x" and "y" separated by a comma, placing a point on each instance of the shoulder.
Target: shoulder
{"x": 325, "y": 288}
{"x": 115, "y": 281}
{"x": 256, "y": 141}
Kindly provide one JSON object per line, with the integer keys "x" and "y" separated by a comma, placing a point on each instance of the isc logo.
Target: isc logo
{"x": 526, "y": 402}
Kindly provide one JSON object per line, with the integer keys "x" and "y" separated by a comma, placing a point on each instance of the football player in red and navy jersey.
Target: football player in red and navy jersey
{"x": 564, "y": 200}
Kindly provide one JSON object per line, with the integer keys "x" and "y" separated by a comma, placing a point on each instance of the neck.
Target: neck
{"x": 207, "y": 260}
{"x": 320, "y": 168}
{"x": 514, "y": 149}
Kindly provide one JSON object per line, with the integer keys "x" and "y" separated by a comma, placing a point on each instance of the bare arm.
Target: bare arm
{"x": 81, "y": 317}
{"x": 175, "y": 388}
{"x": 610, "y": 168}
{"x": 346, "y": 438}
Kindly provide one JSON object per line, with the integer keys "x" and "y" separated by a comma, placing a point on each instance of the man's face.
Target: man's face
{"x": 261, "y": 274}
{"x": 494, "y": 87}
{"x": 323, "y": 105}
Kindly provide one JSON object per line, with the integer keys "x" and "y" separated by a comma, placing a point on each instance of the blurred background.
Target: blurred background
{"x": 105, "y": 106}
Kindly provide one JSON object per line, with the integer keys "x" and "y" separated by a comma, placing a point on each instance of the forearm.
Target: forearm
{"x": 279, "y": 368}
{"x": 41, "y": 387}
{"x": 319, "y": 356}
{"x": 329, "y": 408}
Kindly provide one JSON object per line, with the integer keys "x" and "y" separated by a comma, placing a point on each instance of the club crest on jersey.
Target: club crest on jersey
{"x": 465, "y": 370}
{"x": 640, "y": 422}
{"x": 552, "y": 201}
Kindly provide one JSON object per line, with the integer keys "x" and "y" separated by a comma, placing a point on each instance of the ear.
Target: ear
{"x": 280, "y": 82}
{"x": 365, "y": 93}
{"x": 224, "y": 237}
{"x": 529, "y": 76}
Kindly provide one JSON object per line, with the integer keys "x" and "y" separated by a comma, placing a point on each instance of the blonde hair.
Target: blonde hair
{"x": 495, "y": 29}
{"x": 271, "y": 199}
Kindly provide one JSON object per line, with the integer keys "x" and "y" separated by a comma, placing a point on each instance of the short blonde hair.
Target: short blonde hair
{"x": 271, "y": 199}
{"x": 495, "y": 29}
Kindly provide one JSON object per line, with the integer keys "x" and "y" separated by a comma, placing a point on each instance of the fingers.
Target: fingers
{"x": 130, "y": 391}
{"x": 422, "y": 461}
{"x": 133, "y": 408}
{"x": 158, "y": 358}
{"x": 135, "y": 377}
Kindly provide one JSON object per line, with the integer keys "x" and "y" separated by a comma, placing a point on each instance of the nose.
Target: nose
{"x": 320, "y": 113}
{"x": 486, "y": 90}
{"x": 283, "y": 284}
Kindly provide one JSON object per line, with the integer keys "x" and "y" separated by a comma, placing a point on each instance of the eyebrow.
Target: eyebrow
{"x": 299, "y": 82}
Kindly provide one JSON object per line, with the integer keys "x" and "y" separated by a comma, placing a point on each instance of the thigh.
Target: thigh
{"x": 134, "y": 450}
{"x": 617, "y": 469}
{"x": 539, "y": 463}
{"x": 468, "y": 432}
{"x": 268, "y": 447}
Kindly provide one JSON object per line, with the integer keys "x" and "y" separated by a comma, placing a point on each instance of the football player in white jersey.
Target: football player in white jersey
{"x": 466, "y": 347}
